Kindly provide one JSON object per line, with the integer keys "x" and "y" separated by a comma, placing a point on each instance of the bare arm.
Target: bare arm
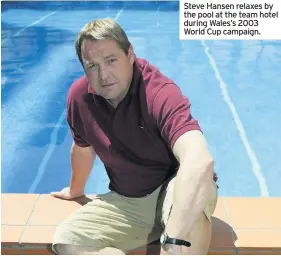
{"x": 82, "y": 160}
{"x": 193, "y": 183}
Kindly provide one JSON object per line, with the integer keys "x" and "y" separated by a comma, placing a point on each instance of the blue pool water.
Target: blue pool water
{"x": 234, "y": 88}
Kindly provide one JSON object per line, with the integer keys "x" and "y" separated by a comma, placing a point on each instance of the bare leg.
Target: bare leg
{"x": 67, "y": 249}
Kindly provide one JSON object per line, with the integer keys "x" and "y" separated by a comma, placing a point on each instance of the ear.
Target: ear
{"x": 131, "y": 55}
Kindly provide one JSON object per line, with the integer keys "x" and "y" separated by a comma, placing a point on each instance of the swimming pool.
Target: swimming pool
{"x": 234, "y": 88}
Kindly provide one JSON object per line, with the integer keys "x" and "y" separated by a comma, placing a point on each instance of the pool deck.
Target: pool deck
{"x": 241, "y": 225}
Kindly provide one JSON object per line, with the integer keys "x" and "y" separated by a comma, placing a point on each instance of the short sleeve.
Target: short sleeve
{"x": 171, "y": 110}
{"x": 75, "y": 123}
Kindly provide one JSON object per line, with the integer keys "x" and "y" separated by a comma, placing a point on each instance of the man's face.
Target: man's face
{"x": 108, "y": 69}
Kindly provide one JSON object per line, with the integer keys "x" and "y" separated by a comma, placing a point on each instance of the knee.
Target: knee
{"x": 64, "y": 237}
{"x": 69, "y": 249}
{"x": 61, "y": 245}
{"x": 63, "y": 249}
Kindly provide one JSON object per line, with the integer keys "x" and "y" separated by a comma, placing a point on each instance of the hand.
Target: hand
{"x": 66, "y": 194}
{"x": 170, "y": 249}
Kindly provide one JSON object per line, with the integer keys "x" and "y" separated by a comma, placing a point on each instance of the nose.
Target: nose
{"x": 103, "y": 74}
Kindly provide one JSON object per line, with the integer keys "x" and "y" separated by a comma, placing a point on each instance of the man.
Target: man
{"x": 138, "y": 122}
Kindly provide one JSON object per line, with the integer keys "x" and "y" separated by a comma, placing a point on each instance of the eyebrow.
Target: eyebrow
{"x": 92, "y": 62}
{"x": 110, "y": 56}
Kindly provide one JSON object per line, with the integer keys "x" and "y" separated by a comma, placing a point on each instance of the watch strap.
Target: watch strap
{"x": 177, "y": 242}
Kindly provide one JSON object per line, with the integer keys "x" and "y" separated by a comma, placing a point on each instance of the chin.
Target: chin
{"x": 108, "y": 96}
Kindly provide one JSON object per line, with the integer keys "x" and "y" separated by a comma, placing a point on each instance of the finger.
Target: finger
{"x": 57, "y": 194}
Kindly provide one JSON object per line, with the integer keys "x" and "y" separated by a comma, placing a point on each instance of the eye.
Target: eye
{"x": 92, "y": 66}
{"x": 111, "y": 60}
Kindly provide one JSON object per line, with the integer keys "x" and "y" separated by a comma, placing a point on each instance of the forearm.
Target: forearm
{"x": 82, "y": 160}
{"x": 191, "y": 193}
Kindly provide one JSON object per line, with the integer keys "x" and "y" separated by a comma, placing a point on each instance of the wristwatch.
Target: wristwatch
{"x": 165, "y": 239}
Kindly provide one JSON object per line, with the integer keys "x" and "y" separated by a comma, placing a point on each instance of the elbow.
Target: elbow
{"x": 208, "y": 169}
{"x": 205, "y": 170}
{"x": 209, "y": 165}
{"x": 202, "y": 170}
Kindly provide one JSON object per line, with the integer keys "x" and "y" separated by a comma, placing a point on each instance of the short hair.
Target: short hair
{"x": 102, "y": 29}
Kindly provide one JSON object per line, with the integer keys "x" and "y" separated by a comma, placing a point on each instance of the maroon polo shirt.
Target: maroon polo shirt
{"x": 135, "y": 140}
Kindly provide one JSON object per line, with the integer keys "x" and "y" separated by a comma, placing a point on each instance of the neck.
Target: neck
{"x": 115, "y": 102}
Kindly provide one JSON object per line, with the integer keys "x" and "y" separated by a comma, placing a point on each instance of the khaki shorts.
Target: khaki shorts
{"x": 112, "y": 220}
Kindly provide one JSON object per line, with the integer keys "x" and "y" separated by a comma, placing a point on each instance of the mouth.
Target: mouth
{"x": 107, "y": 85}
